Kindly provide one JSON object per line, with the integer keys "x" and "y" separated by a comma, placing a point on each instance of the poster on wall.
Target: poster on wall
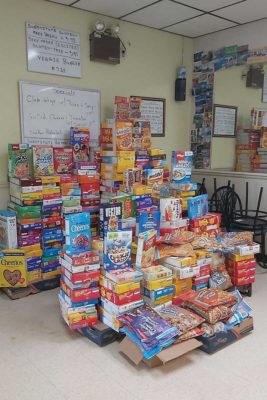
{"x": 52, "y": 50}
{"x": 224, "y": 124}
{"x": 153, "y": 110}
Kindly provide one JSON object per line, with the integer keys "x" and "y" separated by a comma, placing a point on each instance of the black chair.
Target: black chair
{"x": 201, "y": 188}
{"x": 249, "y": 220}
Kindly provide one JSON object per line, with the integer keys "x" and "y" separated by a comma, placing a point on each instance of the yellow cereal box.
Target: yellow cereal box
{"x": 13, "y": 271}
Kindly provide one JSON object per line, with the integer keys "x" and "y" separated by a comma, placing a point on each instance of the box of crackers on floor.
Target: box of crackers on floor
{"x": 19, "y": 160}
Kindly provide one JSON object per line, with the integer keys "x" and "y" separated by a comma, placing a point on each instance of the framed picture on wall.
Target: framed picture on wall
{"x": 224, "y": 121}
{"x": 153, "y": 109}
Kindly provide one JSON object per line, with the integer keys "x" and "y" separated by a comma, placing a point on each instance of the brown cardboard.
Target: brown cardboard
{"x": 131, "y": 350}
{"x": 244, "y": 327}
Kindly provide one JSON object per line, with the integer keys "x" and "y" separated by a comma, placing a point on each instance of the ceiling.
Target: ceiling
{"x": 191, "y": 18}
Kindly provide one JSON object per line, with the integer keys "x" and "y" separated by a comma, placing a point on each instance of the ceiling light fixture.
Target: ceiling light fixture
{"x": 100, "y": 26}
{"x": 115, "y": 29}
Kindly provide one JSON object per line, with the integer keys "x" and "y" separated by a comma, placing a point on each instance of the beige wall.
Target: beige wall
{"x": 149, "y": 69}
{"x": 230, "y": 89}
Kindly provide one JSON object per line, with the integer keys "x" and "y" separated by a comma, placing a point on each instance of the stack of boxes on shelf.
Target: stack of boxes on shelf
{"x": 79, "y": 284}
{"x": 241, "y": 264}
{"x": 247, "y": 143}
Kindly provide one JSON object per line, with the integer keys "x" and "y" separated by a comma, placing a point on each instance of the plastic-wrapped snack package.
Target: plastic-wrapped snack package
{"x": 208, "y": 298}
{"x": 232, "y": 239}
{"x": 210, "y": 330}
{"x": 214, "y": 314}
{"x": 195, "y": 332}
{"x": 220, "y": 280}
{"x": 183, "y": 319}
{"x": 241, "y": 310}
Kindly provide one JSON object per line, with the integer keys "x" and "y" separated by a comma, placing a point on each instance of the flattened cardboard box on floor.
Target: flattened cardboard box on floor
{"x": 132, "y": 351}
{"x": 222, "y": 339}
{"x": 34, "y": 288}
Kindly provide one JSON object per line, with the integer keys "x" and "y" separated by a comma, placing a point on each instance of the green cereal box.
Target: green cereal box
{"x": 19, "y": 160}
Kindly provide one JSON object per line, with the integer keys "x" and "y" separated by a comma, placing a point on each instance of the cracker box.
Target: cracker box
{"x": 78, "y": 233}
{"x": 119, "y": 288}
{"x": 181, "y": 166}
{"x": 87, "y": 257}
{"x": 110, "y": 216}
{"x": 156, "y": 272}
{"x": 80, "y": 139}
{"x": 116, "y": 310}
{"x": 19, "y": 160}
{"x": 146, "y": 248}
{"x": 158, "y": 283}
{"x": 205, "y": 221}
{"x": 43, "y": 161}
{"x": 170, "y": 209}
{"x": 63, "y": 160}
{"x": 83, "y": 279}
{"x": 8, "y": 230}
{"x": 78, "y": 317}
{"x": 117, "y": 249}
{"x": 121, "y": 298}
{"x": 123, "y": 135}
{"x": 124, "y": 275}
{"x": 80, "y": 295}
{"x": 157, "y": 294}
{"x": 13, "y": 269}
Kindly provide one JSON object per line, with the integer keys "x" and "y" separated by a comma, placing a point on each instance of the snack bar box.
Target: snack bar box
{"x": 209, "y": 219}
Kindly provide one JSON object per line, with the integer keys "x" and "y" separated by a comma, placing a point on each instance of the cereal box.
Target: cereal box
{"x": 19, "y": 160}
{"x": 146, "y": 249}
{"x": 198, "y": 206}
{"x": 110, "y": 216}
{"x": 13, "y": 270}
{"x": 117, "y": 249}
{"x": 123, "y": 135}
{"x": 124, "y": 275}
{"x": 121, "y": 298}
{"x": 153, "y": 176}
{"x": 148, "y": 220}
{"x": 182, "y": 162}
{"x": 78, "y": 233}
{"x": 170, "y": 209}
{"x": 43, "y": 163}
{"x": 8, "y": 230}
{"x": 63, "y": 160}
{"x": 80, "y": 140}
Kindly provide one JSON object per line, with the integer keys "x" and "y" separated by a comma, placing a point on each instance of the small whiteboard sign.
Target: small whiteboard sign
{"x": 153, "y": 110}
{"x": 47, "y": 112}
{"x": 224, "y": 120}
{"x": 52, "y": 50}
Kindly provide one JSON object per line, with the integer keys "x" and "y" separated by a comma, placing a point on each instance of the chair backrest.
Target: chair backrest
{"x": 201, "y": 188}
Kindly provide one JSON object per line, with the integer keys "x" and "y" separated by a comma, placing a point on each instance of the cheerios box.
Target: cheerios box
{"x": 13, "y": 270}
{"x": 78, "y": 233}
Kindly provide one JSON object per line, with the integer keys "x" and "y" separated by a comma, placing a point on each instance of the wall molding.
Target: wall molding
{"x": 229, "y": 173}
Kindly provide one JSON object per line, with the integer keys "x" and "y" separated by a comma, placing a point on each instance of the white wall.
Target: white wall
{"x": 254, "y": 34}
{"x": 149, "y": 69}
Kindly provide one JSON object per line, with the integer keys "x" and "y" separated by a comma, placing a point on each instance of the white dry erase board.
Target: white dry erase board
{"x": 153, "y": 110}
{"x": 48, "y": 111}
{"x": 51, "y": 50}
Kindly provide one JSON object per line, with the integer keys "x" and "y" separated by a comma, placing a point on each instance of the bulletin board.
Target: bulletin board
{"x": 153, "y": 110}
{"x": 47, "y": 112}
{"x": 224, "y": 121}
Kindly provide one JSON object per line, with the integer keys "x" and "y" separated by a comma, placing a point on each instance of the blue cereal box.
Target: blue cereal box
{"x": 78, "y": 233}
{"x": 198, "y": 206}
{"x": 117, "y": 249}
{"x": 181, "y": 166}
{"x": 110, "y": 216}
{"x": 148, "y": 220}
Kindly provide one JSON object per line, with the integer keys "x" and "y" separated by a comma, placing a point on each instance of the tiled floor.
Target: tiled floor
{"x": 40, "y": 359}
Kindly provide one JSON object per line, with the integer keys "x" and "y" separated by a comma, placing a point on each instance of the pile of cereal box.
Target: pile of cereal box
{"x": 134, "y": 244}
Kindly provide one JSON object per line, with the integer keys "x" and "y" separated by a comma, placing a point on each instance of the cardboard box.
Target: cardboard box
{"x": 132, "y": 351}
{"x": 101, "y": 334}
{"x": 221, "y": 339}
{"x": 37, "y": 287}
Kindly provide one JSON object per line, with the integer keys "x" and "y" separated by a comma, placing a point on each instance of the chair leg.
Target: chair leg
{"x": 262, "y": 257}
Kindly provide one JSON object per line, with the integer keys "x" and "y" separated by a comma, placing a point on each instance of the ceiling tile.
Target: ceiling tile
{"x": 162, "y": 14}
{"x": 201, "y": 25}
{"x": 208, "y": 5}
{"x": 66, "y": 2}
{"x": 250, "y": 10}
{"x": 112, "y": 8}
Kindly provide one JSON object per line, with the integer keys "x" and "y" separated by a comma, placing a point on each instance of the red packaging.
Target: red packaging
{"x": 204, "y": 270}
{"x": 88, "y": 257}
{"x": 200, "y": 280}
{"x": 81, "y": 277}
{"x": 242, "y": 273}
{"x": 121, "y": 298}
{"x": 236, "y": 265}
{"x": 243, "y": 281}
{"x": 63, "y": 160}
{"x": 79, "y": 295}
{"x": 212, "y": 234}
{"x": 66, "y": 179}
{"x": 209, "y": 219}
{"x": 52, "y": 222}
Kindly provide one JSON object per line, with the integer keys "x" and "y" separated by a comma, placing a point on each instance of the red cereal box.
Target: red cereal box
{"x": 121, "y": 298}
{"x": 63, "y": 160}
{"x": 209, "y": 219}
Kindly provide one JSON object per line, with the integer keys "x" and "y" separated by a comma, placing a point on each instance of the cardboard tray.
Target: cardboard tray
{"x": 101, "y": 334}
{"x": 37, "y": 287}
{"x": 220, "y": 340}
{"x": 132, "y": 351}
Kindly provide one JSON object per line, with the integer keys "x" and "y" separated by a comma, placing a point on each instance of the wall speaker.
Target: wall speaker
{"x": 180, "y": 89}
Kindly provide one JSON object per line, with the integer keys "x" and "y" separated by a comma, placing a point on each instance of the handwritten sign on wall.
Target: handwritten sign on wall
{"x": 53, "y": 51}
{"x": 47, "y": 112}
{"x": 224, "y": 122}
{"x": 153, "y": 110}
